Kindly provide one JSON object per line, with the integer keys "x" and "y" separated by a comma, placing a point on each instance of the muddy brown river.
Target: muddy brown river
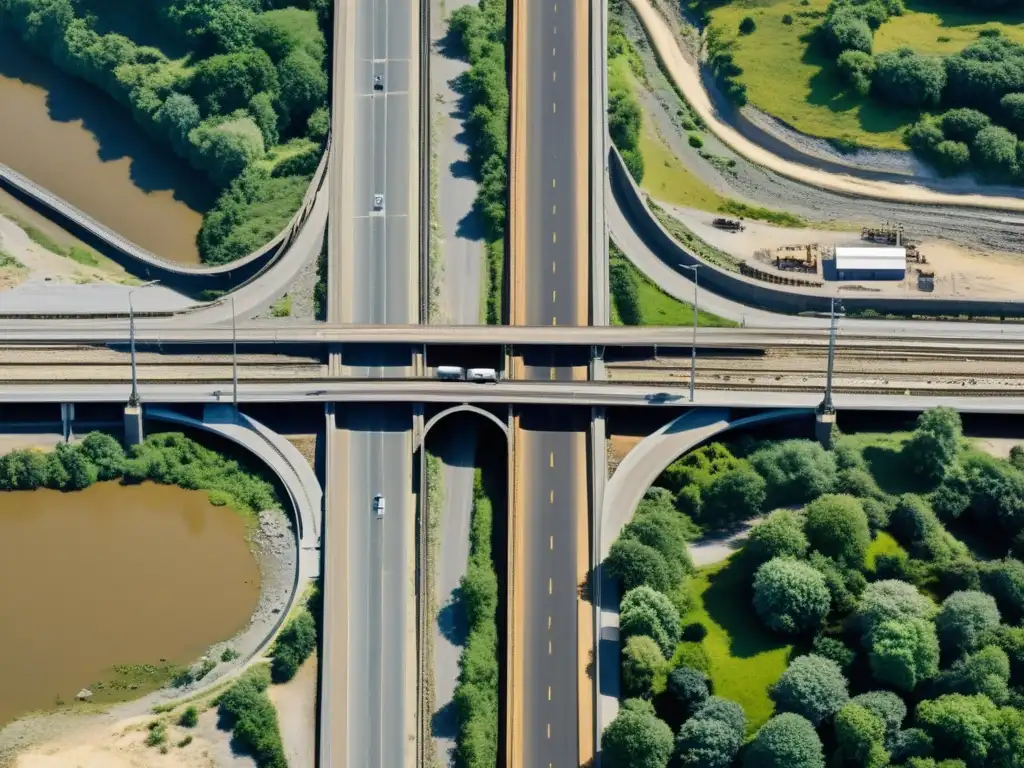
{"x": 82, "y": 146}
{"x": 113, "y": 575}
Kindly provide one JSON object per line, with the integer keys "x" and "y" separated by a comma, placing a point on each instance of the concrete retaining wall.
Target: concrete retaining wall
{"x": 768, "y": 297}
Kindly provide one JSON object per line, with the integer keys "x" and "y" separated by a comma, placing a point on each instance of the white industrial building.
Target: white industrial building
{"x": 870, "y": 263}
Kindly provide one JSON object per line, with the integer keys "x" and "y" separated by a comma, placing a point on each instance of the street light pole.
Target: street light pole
{"x": 133, "y": 398}
{"x": 234, "y": 354}
{"x": 827, "y": 406}
{"x": 693, "y": 350}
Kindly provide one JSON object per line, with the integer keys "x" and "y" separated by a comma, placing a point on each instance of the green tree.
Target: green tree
{"x": 176, "y": 118}
{"x": 303, "y": 85}
{"x": 226, "y": 82}
{"x": 690, "y": 687}
{"x": 964, "y": 619}
{"x": 845, "y": 31}
{"x": 724, "y": 711}
{"x": 781, "y": 534}
{"x": 646, "y": 612}
{"x": 283, "y": 30}
{"x": 960, "y": 725}
{"x": 705, "y": 743}
{"x": 912, "y": 520}
{"x": 963, "y": 124}
{"x": 785, "y": 741}
{"x": 890, "y": 600}
{"x": 952, "y": 157}
{"x": 641, "y": 662}
{"x": 933, "y": 445}
{"x": 666, "y": 531}
{"x": 634, "y": 564}
{"x": 903, "y": 653}
{"x": 861, "y": 737}
{"x": 55, "y": 473}
{"x": 226, "y": 148}
{"x": 319, "y": 124}
{"x": 837, "y": 527}
{"x": 812, "y": 687}
{"x": 636, "y": 739}
{"x": 733, "y": 495}
{"x": 105, "y": 453}
{"x": 293, "y": 646}
{"x": 1004, "y": 580}
{"x": 995, "y": 150}
{"x": 262, "y": 111}
{"x": 790, "y": 596}
{"x": 796, "y": 471}
{"x": 747, "y": 25}
{"x": 478, "y": 588}
{"x": 987, "y": 672}
{"x": 857, "y": 68}
{"x": 1012, "y": 107}
{"x": 77, "y": 470}
{"x": 905, "y": 77}
{"x": 834, "y": 650}
{"x": 886, "y": 706}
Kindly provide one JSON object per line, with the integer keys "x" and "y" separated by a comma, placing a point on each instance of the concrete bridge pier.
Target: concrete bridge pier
{"x": 133, "y": 434}
{"x": 824, "y": 424}
{"x": 67, "y": 420}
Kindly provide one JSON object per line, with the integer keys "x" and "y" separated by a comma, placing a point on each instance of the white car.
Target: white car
{"x": 378, "y": 506}
{"x": 378, "y": 202}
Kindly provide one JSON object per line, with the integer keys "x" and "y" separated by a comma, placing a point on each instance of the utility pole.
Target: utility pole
{"x": 133, "y": 398}
{"x": 826, "y": 413}
{"x": 234, "y": 354}
{"x": 693, "y": 350}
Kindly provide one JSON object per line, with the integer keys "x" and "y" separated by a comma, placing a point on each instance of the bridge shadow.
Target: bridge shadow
{"x": 153, "y": 168}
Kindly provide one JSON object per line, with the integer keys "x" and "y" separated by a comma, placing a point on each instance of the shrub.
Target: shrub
{"x": 736, "y": 494}
{"x": 837, "y": 527}
{"x": 1012, "y": 107}
{"x": 747, "y": 25}
{"x": 834, "y": 650}
{"x": 857, "y": 482}
{"x": 909, "y": 79}
{"x": 641, "y": 662}
{"x": 796, "y": 471}
{"x": 963, "y": 124}
{"x": 953, "y": 496}
{"x": 997, "y": 494}
{"x": 704, "y": 743}
{"x": 1005, "y": 582}
{"x": 904, "y": 652}
{"x": 951, "y": 157}
{"x": 293, "y": 646}
{"x": 843, "y": 584}
{"x": 995, "y": 150}
{"x": 912, "y": 520}
{"x": 878, "y": 513}
{"x": 957, "y": 575}
{"x": 890, "y": 600}
{"x": 813, "y": 687}
{"x": 860, "y": 735}
{"x": 647, "y": 612}
{"x": 254, "y": 718}
{"x": 634, "y": 564}
{"x": 923, "y": 137}
{"x": 724, "y": 711}
{"x": 964, "y": 618}
{"x": 857, "y": 68}
{"x": 885, "y": 705}
{"x": 694, "y": 632}
{"x": 960, "y": 725}
{"x": 790, "y": 596}
{"x": 787, "y": 19}
{"x": 781, "y": 534}
{"x": 105, "y": 453}
{"x": 845, "y": 31}
{"x": 986, "y": 672}
{"x": 1011, "y": 641}
{"x": 636, "y": 738}
{"x": 695, "y": 140}
{"x": 189, "y": 717}
{"x": 933, "y": 445}
{"x": 911, "y": 743}
{"x": 660, "y": 527}
{"x": 690, "y": 686}
{"x": 785, "y": 741}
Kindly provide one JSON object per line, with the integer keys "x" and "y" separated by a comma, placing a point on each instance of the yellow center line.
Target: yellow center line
{"x": 553, "y": 268}
{"x": 554, "y": 321}
{"x": 549, "y": 647}
{"x": 554, "y": 108}
{"x": 551, "y": 496}
{"x": 554, "y": 237}
{"x": 549, "y": 693}
{"x": 554, "y": 296}
{"x": 552, "y": 183}
{"x": 552, "y": 463}
{"x": 551, "y": 544}
{"x": 551, "y": 585}
{"x": 549, "y": 730}
{"x": 549, "y": 622}
{"x": 552, "y": 374}
{"x": 553, "y": 78}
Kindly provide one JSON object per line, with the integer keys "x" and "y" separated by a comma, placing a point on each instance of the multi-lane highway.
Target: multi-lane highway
{"x": 375, "y": 281}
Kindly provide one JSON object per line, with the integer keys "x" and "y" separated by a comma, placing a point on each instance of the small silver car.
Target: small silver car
{"x": 378, "y": 202}
{"x": 378, "y": 506}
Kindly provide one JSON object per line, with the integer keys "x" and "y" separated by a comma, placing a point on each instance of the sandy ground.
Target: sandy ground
{"x": 995, "y": 446}
{"x": 959, "y": 271}
{"x": 714, "y": 549}
{"x": 618, "y": 447}
{"x": 685, "y": 74}
{"x": 296, "y": 712}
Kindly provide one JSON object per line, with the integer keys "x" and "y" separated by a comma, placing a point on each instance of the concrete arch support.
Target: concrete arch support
{"x": 456, "y": 409}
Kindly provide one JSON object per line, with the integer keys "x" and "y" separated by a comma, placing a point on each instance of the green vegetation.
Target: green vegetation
{"x": 638, "y": 301}
{"x": 293, "y": 645}
{"x": 903, "y": 650}
{"x": 434, "y": 507}
{"x": 682, "y": 234}
{"x": 169, "y": 458}
{"x": 245, "y": 104}
{"x": 480, "y": 29}
{"x": 253, "y": 719}
{"x": 625, "y": 118}
{"x": 282, "y": 307}
{"x": 320, "y": 289}
{"x": 476, "y": 693}
{"x": 189, "y": 718}
{"x": 84, "y": 256}
{"x": 7, "y": 260}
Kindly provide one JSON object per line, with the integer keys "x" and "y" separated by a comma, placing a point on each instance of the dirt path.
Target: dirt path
{"x": 296, "y": 711}
{"x": 714, "y": 549}
{"x": 686, "y": 76}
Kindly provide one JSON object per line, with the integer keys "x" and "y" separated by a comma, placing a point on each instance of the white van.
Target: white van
{"x": 451, "y": 373}
{"x": 483, "y": 375}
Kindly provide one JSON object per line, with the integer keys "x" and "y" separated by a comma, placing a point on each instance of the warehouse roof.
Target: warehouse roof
{"x": 869, "y": 258}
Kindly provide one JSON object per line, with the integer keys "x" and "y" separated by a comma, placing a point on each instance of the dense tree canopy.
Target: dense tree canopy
{"x": 813, "y": 687}
{"x": 644, "y": 611}
{"x": 904, "y": 652}
{"x": 933, "y": 445}
{"x": 636, "y": 739}
{"x": 796, "y": 471}
{"x": 964, "y": 619}
{"x": 781, "y": 534}
{"x": 837, "y": 527}
{"x": 785, "y": 741}
{"x": 641, "y": 662}
{"x": 790, "y": 596}
{"x": 889, "y": 600}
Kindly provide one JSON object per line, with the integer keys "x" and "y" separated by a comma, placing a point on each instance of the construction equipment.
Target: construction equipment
{"x": 729, "y": 225}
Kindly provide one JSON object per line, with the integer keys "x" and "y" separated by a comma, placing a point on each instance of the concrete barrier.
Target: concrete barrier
{"x": 774, "y": 299}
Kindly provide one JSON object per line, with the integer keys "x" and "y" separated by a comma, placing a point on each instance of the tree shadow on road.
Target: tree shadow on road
{"x": 452, "y": 621}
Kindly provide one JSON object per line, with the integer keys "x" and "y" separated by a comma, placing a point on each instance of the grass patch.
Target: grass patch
{"x": 940, "y": 28}
{"x": 282, "y": 307}
{"x": 636, "y": 300}
{"x": 883, "y": 544}
{"x": 667, "y": 179}
{"x": 788, "y": 76}
{"x": 882, "y": 452}
{"x": 744, "y": 659}
{"x": 779, "y": 218}
{"x": 77, "y": 253}
{"x": 495, "y": 281}
{"x": 7, "y": 260}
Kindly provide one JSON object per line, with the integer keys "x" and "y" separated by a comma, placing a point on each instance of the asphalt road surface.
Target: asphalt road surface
{"x": 384, "y": 279}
